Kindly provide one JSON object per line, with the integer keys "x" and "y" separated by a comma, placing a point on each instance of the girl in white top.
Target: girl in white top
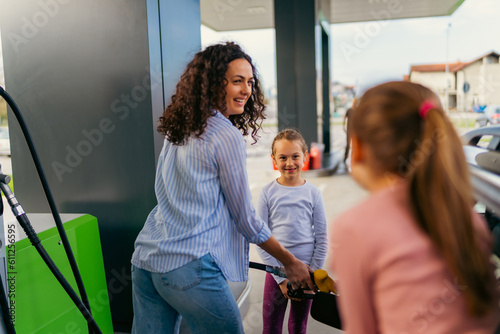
{"x": 294, "y": 210}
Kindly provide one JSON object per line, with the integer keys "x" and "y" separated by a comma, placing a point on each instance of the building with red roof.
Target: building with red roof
{"x": 466, "y": 84}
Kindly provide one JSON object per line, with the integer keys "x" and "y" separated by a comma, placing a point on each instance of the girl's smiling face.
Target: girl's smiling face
{"x": 289, "y": 159}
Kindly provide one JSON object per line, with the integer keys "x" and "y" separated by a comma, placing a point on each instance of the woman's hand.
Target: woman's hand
{"x": 297, "y": 272}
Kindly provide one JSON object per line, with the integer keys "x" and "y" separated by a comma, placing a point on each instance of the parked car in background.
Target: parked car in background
{"x": 4, "y": 141}
{"x": 490, "y": 116}
{"x": 482, "y": 151}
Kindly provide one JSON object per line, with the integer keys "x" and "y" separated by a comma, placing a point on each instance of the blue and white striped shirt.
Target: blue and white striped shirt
{"x": 204, "y": 205}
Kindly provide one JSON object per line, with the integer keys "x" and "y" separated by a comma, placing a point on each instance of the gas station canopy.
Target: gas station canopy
{"x": 224, "y": 15}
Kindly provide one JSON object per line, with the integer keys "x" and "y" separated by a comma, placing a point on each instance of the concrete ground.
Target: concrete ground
{"x": 339, "y": 193}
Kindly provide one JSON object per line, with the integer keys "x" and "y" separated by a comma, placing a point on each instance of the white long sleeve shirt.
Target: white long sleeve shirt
{"x": 297, "y": 218}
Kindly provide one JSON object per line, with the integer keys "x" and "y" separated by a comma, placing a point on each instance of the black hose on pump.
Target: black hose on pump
{"x": 83, "y": 304}
{"x": 4, "y": 301}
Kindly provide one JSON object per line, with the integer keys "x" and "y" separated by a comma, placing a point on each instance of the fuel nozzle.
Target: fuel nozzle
{"x": 324, "y": 282}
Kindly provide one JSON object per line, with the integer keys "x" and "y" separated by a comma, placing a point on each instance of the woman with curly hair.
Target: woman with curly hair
{"x": 196, "y": 238}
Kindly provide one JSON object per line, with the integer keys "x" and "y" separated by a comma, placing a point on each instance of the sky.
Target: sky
{"x": 390, "y": 48}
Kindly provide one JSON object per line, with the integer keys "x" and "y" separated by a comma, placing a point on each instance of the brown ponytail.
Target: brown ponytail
{"x": 441, "y": 196}
{"x": 426, "y": 150}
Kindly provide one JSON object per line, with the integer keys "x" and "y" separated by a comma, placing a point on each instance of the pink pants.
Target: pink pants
{"x": 274, "y": 308}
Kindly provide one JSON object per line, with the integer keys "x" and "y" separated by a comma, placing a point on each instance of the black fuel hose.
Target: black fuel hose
{"x": 4, "y": 301}
{"x": 53, "y": 208}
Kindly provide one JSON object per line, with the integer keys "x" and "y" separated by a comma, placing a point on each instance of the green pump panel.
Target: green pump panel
{"x": 38, "y": 303}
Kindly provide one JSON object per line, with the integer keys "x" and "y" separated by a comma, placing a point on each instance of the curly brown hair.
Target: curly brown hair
{"x": 201, "y": 90}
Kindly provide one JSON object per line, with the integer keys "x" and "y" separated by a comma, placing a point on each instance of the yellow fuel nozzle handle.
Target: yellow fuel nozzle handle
{"x": 324, "y": 282}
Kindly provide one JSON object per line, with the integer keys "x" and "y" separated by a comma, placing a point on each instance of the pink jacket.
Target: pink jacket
{"x": 390, "y": 277}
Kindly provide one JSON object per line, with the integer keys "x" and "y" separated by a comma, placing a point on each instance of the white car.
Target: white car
{"x": 483, "y": 157}
{"x": 491, "y": 116}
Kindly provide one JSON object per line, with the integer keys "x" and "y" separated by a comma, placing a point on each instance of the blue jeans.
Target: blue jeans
{"x": 196, "y": 291}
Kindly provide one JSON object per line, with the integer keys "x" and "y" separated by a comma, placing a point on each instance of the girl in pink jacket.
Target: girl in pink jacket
{"x": 413, "y": 257}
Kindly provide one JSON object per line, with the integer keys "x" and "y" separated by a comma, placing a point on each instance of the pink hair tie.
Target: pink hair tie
{"x": 424, "y": 108}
